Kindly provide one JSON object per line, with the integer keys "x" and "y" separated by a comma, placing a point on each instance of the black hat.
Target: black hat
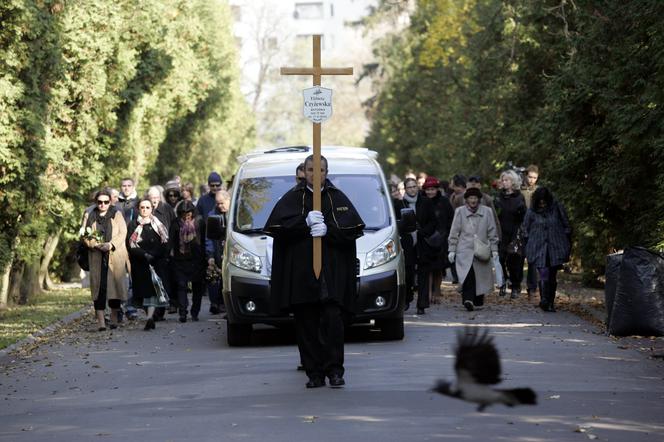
{"x": 473, "y": 191}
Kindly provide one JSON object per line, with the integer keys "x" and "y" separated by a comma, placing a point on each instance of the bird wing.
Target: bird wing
{"x": 477, "y": 357}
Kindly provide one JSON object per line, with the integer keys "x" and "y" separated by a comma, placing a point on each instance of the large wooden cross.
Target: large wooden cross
{"x": 317, "y": 71}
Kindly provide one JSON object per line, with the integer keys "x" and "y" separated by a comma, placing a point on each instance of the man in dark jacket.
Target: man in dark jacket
{"x": 206, "y": 202}
{"x": 319, "y": 305}
{"x": 214, "y": 252}
{"x": 128, "y": 199}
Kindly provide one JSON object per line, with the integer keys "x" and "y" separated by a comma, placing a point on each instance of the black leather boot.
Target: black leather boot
{"x": 544, "y": 295}
{"x": 551, "y": 296}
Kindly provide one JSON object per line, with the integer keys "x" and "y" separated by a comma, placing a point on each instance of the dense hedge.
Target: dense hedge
{"x": 94, "y": 90}
{"x": 573, "y": 86}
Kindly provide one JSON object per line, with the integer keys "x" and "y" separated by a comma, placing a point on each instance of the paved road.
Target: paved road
{"x": 181, "y": 382}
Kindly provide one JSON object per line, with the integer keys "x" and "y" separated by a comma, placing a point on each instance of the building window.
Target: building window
{"x": 308, "y": 10}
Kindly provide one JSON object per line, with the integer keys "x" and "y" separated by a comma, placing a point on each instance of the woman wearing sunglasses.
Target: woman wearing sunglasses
{"x": 147, "y": 242}
{"x": 108, "y": 258}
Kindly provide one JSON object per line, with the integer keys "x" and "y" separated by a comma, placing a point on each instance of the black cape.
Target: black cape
{"x": 293, "y": 280}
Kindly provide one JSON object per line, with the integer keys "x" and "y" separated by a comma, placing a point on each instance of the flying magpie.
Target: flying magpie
{"x": 477, "y": 367}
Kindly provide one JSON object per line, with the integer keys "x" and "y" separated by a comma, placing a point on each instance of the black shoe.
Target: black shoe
{"x": 194, "y": 318}
{"x": 315, "y": 383}
{"x": 101, "y": 329}
{"x": 469, "y": 305}
{"x": 420, "y": 311}
{"x": 503, "y": 290}
{"x": 112, "y": 326}
{"x": 405, "y": 309}
{"x": 183, "y": 319}
{"x": 300, "y": 367}
{"x": 149, "y": 325}
{"x": 336, "y": 381}
{"x": 214, "y": 310}
{"x": 515, "y": 293}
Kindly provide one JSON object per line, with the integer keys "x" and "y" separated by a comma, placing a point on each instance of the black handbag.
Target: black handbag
{"x": 82, "y": 256}
{"x": 435, "y": 240}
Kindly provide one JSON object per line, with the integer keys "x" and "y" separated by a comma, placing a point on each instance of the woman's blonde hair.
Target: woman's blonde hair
{"x": 512, "y": 175}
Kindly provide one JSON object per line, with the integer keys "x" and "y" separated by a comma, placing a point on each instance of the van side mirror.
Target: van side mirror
{"x": 215, "y": 227}
{"x": 407, "y": 223}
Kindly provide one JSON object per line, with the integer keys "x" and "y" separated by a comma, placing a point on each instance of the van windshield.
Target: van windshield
{"x": 257, "y": 197}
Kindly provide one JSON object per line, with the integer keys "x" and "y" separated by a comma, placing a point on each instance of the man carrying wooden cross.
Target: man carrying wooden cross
{"x": 319, "y": 303}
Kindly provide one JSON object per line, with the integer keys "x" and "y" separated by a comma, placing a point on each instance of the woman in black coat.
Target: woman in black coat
{"x": 426, "y": 226}
{"x": 187, "y": 241}
{"x": 147, "y": 243}
{"x": 547, "y": 236}
{"x": 444, "y": 214}
{"x": 511, "y": 209}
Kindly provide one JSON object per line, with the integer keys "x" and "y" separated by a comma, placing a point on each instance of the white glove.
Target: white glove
{"x": 314, "y": 217}
{"x": 494, "y": 254}
{"x": 319, "y": 229}
{"x": 451, "y": 256}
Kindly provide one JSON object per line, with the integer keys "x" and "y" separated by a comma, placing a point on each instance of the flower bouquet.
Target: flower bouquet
{"x": 212, "y": 274}
{"x": 93, "y": 236}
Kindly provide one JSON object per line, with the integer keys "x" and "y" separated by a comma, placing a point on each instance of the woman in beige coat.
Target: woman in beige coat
{"x": 473, "y": 222}
{"x": 105, "y": 238}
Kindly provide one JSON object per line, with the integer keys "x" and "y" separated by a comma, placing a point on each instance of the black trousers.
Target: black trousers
{"x": 423, "y": 288}
{"x": 468, "y": 290}
{"x": 512, "y": 265}
{"x": 532, "y": 278}
{"x": 183, "y": 277}
{"x": 320, "y": 338}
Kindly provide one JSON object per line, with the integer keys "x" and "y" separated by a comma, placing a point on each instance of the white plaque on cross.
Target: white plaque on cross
{"x": 317, "y": 104}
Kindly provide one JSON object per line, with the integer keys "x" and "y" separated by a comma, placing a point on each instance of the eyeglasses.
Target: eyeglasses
{"x": 214, "y": 184}
{"x": 172, "y": 195}
{"x": 101, "y": 202}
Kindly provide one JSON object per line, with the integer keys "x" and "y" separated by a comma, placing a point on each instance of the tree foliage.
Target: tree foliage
{"x": 573, "y": 86}
{"x": 94, "y": 90}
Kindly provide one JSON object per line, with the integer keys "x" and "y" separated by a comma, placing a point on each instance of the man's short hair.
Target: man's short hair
{"x": 310, "y": 159}
{"x": 299, "y": 168}
{"x": 127, "y": 179}
{"x": 532, "y": 168}
{"x": 459, "y": 180}
{"x": 475, "y": 179}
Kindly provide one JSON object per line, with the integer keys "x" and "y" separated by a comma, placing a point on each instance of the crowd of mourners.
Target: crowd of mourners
{"x": 149, "y": 252}
{"x": 474, "y": 234}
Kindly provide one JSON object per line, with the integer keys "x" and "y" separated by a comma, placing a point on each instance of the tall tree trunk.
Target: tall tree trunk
{"x": 49, "y": 249}
{"x": 4, "y": 285}
{"x": 30, "y": 281}
{"x": 15, "y": 280}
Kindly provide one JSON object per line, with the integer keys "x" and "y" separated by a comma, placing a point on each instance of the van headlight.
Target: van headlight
{"x": 244, "y": 259}
{"x": 382, "y": 254}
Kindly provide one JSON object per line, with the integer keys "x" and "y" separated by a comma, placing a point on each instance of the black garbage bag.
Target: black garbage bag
{"x": 612, "y": 276}
{"x": 638, "y": 307}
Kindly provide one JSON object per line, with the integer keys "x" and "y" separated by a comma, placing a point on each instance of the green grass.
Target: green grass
{"x": 18, "y": 321}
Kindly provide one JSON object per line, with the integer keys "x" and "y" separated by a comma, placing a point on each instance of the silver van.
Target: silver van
{"x": 261, "y": 179}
